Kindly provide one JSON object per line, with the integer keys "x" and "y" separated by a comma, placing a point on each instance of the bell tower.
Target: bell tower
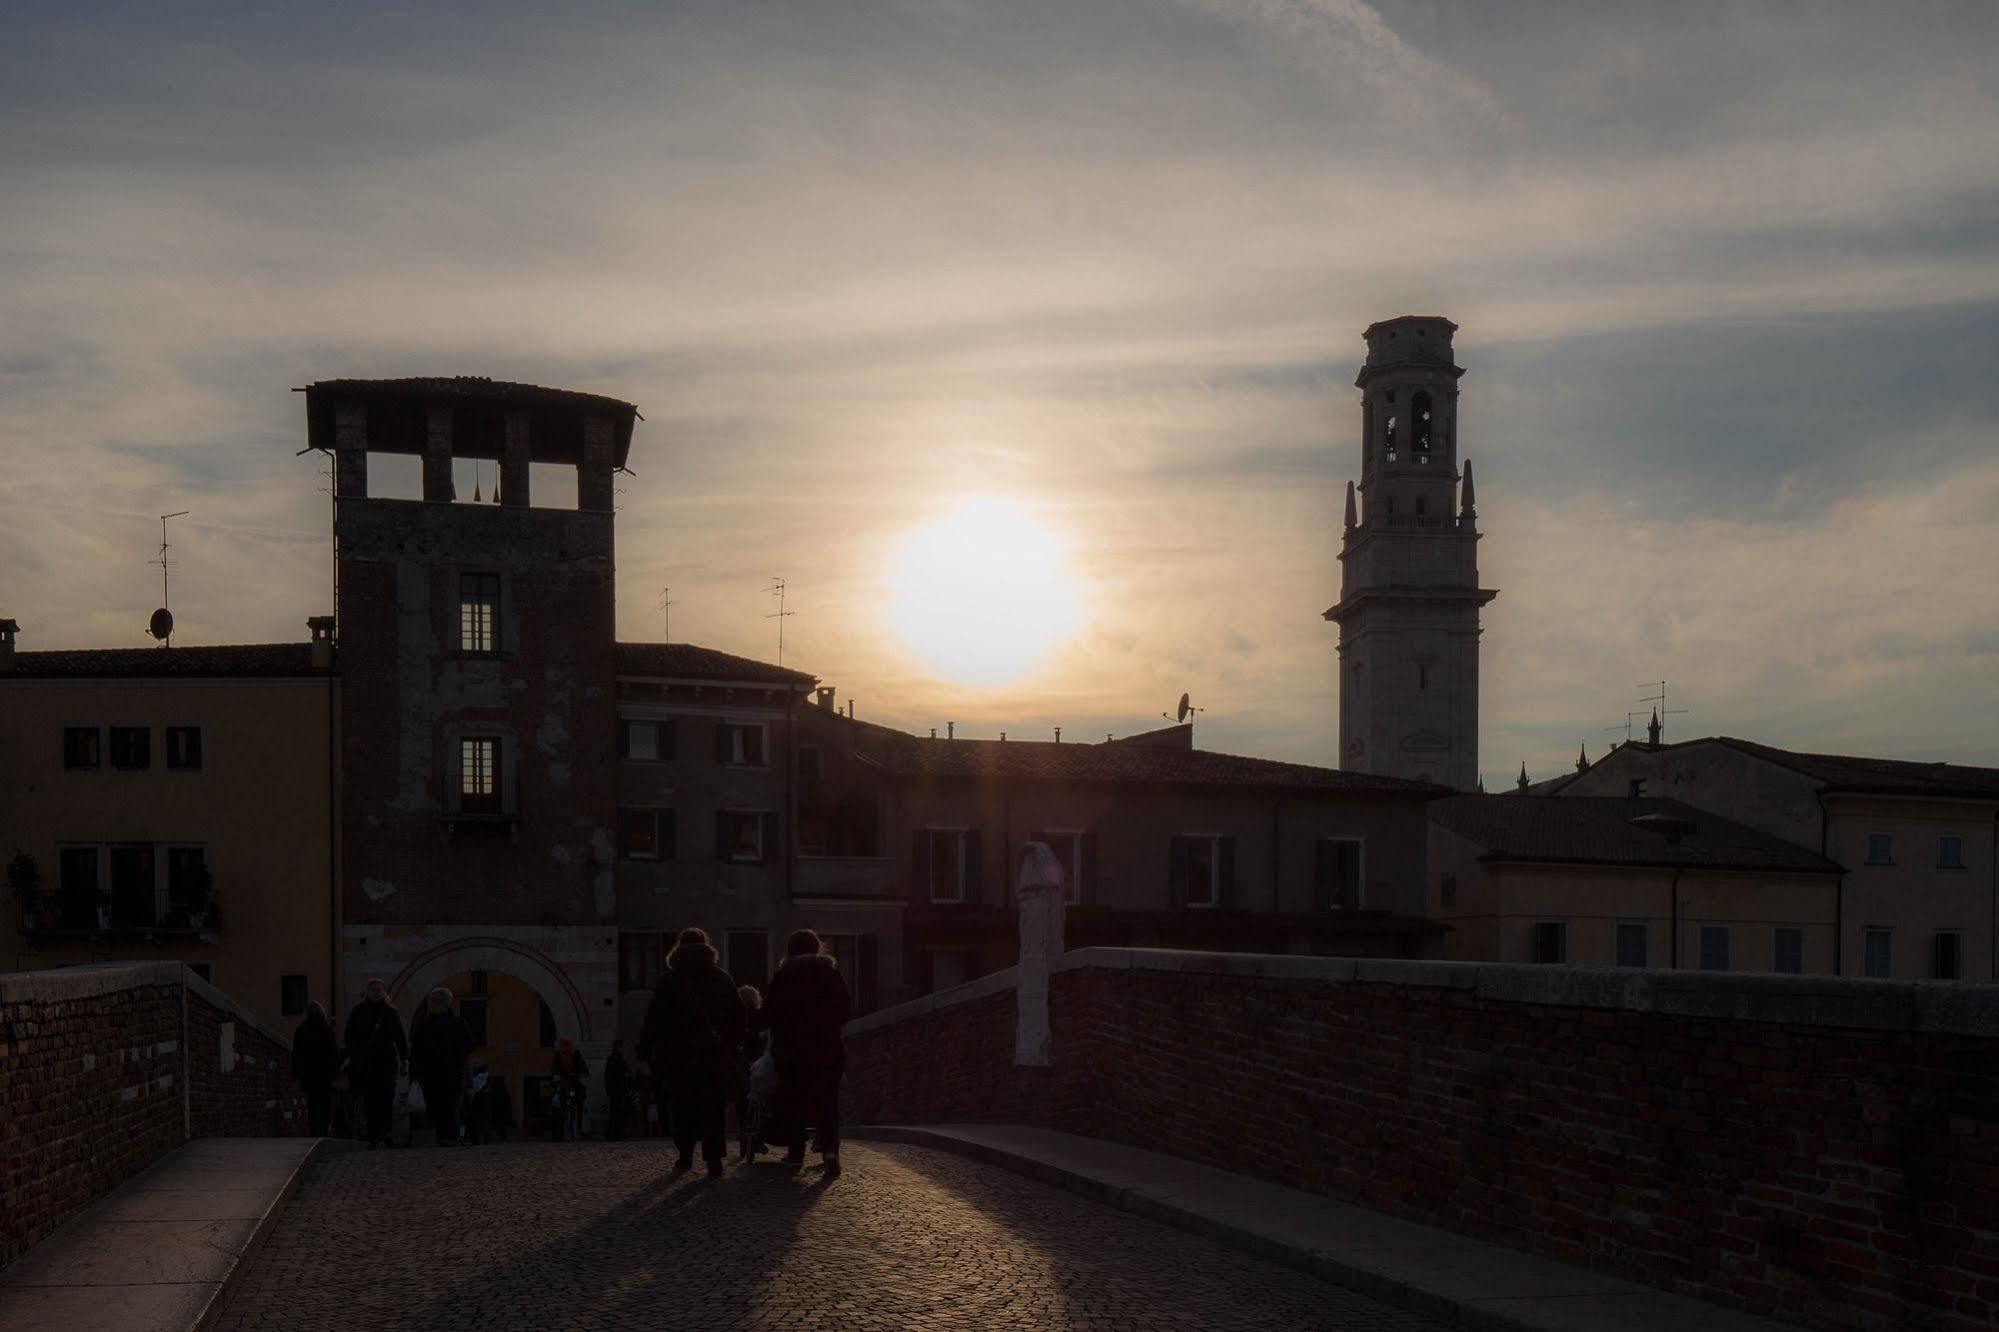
{"x": 1409, "y": 594}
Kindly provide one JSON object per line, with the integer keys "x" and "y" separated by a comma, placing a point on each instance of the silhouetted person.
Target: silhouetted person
{"x": 479, "y": 1106}
{"x": 618, "y": 1088}
{"x": 377, "y": 1051}
{"x": 503, "y": 1105}
{"x": 748, "y": 1050}
{"x": 440, "y": 1045}
{"x": 806, "y": 1008}
{"x": 316, "y": 1063}
{"x": 568, "y": 1073}
{"x": 690, "y": 1033}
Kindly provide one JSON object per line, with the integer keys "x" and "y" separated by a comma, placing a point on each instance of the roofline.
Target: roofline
{"x": 1727, "y": 867}
{"x": 795, "y": 686}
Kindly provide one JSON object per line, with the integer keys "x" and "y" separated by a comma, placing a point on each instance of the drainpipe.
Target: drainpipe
{"x": 333, "y": 995}
{"x": 1838, "y": 892}
{"x": 1675, "y": 907}
{"x": 1276, "y": 857}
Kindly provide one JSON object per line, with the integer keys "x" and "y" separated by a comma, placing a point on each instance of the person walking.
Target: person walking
{"x": 806, "y": 1008}
{"x": 378, "y": 1052}
{"x": 618, "y": 1090}
{"x": 568, "y": 1075}
{"x": 691, "y": 1029}
{"x": 748, "y": 1050}
{"x": 316, "y": 1063}
{"x": 440, "y": 1045}
{"x": 479, "y": 1107}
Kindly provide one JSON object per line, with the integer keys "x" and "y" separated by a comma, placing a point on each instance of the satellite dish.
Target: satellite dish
{"x": 1185, "y": 707}
{"x": 161, "y": 626}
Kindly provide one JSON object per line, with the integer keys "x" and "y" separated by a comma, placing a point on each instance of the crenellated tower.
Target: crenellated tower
{"x": 1409, "y": 596}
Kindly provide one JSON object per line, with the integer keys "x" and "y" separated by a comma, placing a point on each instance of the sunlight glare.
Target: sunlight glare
{"x": 983, "y": 594}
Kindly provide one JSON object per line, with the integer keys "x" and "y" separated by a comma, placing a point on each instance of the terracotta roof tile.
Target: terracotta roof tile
{"x": 688, "y": 661}
{"x": 246, "y": 659}
{"x": 1597, "y": 830}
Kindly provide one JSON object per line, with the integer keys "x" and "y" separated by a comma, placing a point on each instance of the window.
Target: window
{"x": 132, "y": 747}
{"x": 639, "y": 959}
{"x": 1950, "y": 851}
{"x": 478, "y": 612}
{"x": 950, "y": 859}
{"x": 1422, "y": 507}
{"x": 473, "y": 1010}
{"x": 848, "y": 826}
{"x": 479, "y": 774}
{"x": 1078, "y": 853}
{"x": 1419, "y": 427}
{"x": 183, "y": 747}
{"x": 1947, "y": 955}
{"x": 1714, "y": 948}
{"x": 81, "y": 887}
{"x": 1637, "y": 788}
{"x": 1633, "y": 939}
{"x": 1388, "y": 439}
{"x": 745, "y": 836}
{"x": 1787, "y": 950}
{"x": 1880, "y": 960}
{"x": 645, "y": 834}
{"x": 740, "y": 745}
{"x": 747, "y": 955}
{"x": 80, "y": 747}
{"x": 645, "y": 741}
{"x": 1447, "y": 888}
{"x": 1880, "y": 848}
{"x": 808, "y": 763}
{"x": 1551, "y": 941}
{"x": 134, "y": 888}
{"x": 291, "y": 995}
{"x": 1338, "y": 865}
{"x": 188, "y": 883}
{"x": 1203, "y": 866}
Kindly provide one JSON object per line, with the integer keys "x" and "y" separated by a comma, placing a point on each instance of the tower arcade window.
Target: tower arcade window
{"x": 478, "y": 612}
{"x": 1388, "y": 437}
{"x": 1420, "y": 427}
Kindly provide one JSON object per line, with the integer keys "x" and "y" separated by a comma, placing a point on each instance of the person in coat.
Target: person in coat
{"x": 618, "y": 1090}
{"x": 316, "y": 1063}
{"x": 807, "y": 1005}
{"x": 503, "y": 1105}
{"x": 690, "y": 1034}
{"x": 378, "y": 1052}
{"x": 568, "y": 1075}
{"x": 440, "y": 1046}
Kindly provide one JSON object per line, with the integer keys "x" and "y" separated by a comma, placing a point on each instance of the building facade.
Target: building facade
{"x": 1629, "y": 881}
{"x": 174, "y": 804}
{"x": 1918, "y": 842}
{"x": 1409, "y": 602}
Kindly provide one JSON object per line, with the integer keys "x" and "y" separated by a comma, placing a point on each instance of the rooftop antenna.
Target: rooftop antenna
{"x": 161, "y": 626}
{"x": 1661, "y": 711}
{"x": 780, "y": 615}
{"x": 1626, "y": 727}
{"x": 666, "y": 610}
{"x": 1184, "y": 711}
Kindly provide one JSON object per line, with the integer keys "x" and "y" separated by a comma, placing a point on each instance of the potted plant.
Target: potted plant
{"x": 24, "y": 881}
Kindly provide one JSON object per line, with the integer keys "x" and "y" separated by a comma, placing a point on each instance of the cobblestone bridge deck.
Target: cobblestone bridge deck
{"x": 536, "y": 1235}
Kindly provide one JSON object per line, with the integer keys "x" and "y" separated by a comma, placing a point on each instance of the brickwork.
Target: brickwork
{"x": 101, "y": 1071}
{"x": 1822, "y": 1151}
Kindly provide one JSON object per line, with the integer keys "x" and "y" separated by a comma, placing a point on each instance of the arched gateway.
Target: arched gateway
{"x": 421, "y": 974}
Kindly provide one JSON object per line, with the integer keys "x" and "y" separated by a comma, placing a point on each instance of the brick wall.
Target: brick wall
{"x": 1826, "y": 1151}
{"x": 101, "y": 1071}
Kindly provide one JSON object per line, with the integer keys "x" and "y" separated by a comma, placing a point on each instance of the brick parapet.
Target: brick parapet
{"x": 103, "y": 1069}
{"x": 1822, "y": 1150}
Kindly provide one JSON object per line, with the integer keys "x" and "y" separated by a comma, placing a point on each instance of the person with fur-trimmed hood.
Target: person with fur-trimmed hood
{"x": 690, "y": 1035}
{"x": 806, "y": 1007}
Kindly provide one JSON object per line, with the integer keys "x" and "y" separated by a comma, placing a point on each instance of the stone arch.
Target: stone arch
{"x": 565, "y": 1002}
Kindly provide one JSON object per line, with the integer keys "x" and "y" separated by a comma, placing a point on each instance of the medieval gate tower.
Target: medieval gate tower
{"x": 1409, "y": 593}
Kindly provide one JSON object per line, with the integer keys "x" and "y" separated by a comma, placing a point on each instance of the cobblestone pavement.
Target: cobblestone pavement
{"x": 543, "y": 1235}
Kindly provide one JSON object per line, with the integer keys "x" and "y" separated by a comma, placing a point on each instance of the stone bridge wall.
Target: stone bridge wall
{"x": 1822, "y": 1150}
{"x": 104, "y": 1069}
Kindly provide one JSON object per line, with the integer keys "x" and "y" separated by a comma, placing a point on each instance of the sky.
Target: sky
{"x": 1726, "y": 276}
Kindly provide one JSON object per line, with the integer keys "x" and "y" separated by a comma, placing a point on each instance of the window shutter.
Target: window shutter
{"x": 624, "y": 739}
{"x": 974, "y": 865}
{"x": 919, "y": 865}
{"x": 666, "y": 832}
{"x": 722, "y": 730}
{"x": 770, "y": 836}
{"x": 1322, "y": 882}
{"x": 664, "y": 730}
{"x": 1086, "y": 890}
{"x": 1176, "y": 876}
{"x": 866, "y": 968}
{"x": 721, "y": 835}
{"x": 1225, "y": 891}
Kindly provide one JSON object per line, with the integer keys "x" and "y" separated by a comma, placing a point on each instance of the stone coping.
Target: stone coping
{"x": 1944, "y": 1007}
{"x": 65, "y": 984}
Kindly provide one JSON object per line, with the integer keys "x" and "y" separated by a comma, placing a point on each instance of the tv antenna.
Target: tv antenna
{"x": 1184, "y": 711}
{"x": 1659, "y": 699}
{"x": 1626, "y": 727}
{"x": 666, "y": 610}
{"x": 780, "y": 615}
{"x": 161, "y": 626}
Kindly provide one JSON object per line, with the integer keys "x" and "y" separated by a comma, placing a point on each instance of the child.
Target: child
{"x": 749, "y": 1105}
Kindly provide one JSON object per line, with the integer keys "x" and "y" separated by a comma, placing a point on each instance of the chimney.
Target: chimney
{"x": 8, "y": 628}
{"x": 950, "y": 730}
{"x": 1058, "y": 735}
{"x": 1002, "y": 737}
{"x": 321, "y": 629}
{"x": 826, "y": 699}
{"x": 933, "y": 733}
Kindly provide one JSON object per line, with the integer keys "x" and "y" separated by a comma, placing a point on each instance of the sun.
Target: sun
{"x": 982, "y": 594}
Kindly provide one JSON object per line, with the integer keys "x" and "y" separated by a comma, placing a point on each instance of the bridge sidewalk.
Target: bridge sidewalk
{"x": 152, "y": 1255}
{"x": 1421, "y": 1268}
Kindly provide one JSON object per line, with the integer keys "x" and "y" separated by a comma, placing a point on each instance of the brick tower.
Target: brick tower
{"x": 1409, "y": 595}
{"x": 477, "y": 662}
